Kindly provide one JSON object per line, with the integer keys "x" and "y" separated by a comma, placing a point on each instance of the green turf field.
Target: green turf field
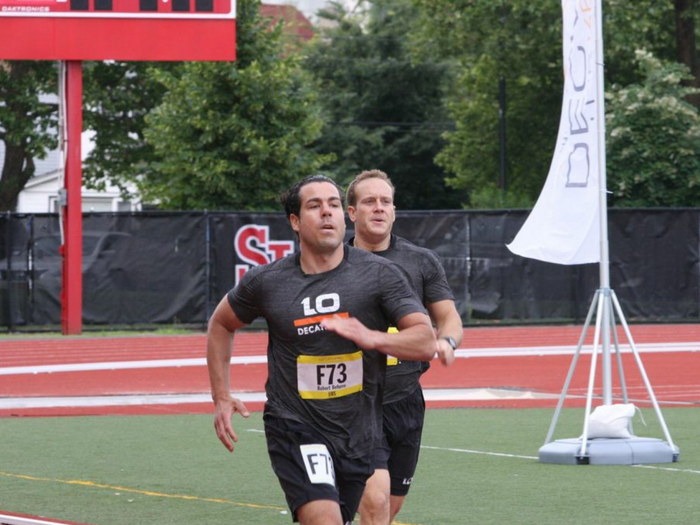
{"x": 171, "y": 470}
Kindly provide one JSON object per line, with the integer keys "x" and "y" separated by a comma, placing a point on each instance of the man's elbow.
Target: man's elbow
{"x": 213, "y": 326}
{"x": 218, "y": 327}
{"x": 428, "y": 348}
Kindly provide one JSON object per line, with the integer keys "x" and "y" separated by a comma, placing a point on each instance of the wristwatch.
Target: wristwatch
{"x": 451, "y": 342}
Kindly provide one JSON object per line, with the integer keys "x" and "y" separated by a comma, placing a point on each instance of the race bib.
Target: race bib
{"x": 318, "y": 463}
{"x": 329, "y": 376}
{"x": 391, "y": 360}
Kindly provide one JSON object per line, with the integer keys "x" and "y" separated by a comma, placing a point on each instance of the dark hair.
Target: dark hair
{"x": 367, "y": 174}
{"x": 290, "y": 198}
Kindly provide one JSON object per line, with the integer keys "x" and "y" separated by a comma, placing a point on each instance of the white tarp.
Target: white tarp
{"x": 564, "y": 225}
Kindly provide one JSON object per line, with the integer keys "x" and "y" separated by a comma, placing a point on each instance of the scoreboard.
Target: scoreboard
{"x": 118, "y": 29}
{"x": 176, "y": 9}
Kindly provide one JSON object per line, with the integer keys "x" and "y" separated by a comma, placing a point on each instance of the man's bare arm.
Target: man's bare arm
{"x": 222, "y": 326}
{"x": 449, "y": 324}
{"x": 415, "y": 340}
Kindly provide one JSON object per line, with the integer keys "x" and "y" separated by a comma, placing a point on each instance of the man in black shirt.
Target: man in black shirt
{"x": 327, "y": 308}
{"x": 370, "y": 200}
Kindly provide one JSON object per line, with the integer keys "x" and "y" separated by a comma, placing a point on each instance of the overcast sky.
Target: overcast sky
{"x": 308, "y": 7}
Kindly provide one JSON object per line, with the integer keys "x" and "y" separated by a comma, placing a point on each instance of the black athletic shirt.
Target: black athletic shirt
{"x": 315, "y": 376}
{"x": 430, "y": 283}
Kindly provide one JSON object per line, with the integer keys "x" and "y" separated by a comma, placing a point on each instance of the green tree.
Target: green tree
{"x": 233, "y": 135}
{"x": 381, "y": 109}
{"x": 520, "y": 41}
{"x": 28, "y": 123}
{"x": 117, "y": 98}
{"x": 653, "y": 144}
{"x": 687, "y": 12}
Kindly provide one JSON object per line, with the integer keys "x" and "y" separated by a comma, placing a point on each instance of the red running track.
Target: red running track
{"x": 674, "y": 375}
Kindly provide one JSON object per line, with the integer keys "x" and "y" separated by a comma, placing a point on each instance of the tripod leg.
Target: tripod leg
{"x": 657, "y": 409}
{"x": 591, "y": 378}
{"x": 620, "y": 369}
{"x": 574, "y": 361}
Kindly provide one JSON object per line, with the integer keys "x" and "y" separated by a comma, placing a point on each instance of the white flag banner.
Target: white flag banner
{"x": 564, "y": 225}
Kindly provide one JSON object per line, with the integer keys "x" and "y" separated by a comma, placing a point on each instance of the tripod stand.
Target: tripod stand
{"x": 563, "y": 229}
{"x": 607, "y": 451}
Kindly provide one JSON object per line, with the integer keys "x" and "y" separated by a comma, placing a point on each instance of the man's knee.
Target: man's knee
{"x": 375, "y": 504}
{"x": 320, "y": 512}
{"x": 375, "y": 501}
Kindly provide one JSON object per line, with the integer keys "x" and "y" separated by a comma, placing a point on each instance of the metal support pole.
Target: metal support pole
{"x": 643, "y": 373}
{"x": 574, "y": 361}
{"x": 72, "y": 249}
{"x": 620, "y": 368}
{"x": 207, "y": 270}
{"x": 8, "y": 269}
{"x": 606, "y": 361}
{"x": 602, "y": 297}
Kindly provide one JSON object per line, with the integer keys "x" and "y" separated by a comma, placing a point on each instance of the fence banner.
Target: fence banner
{"x": 564, "y": 225}
{"x": 168, "y": 268}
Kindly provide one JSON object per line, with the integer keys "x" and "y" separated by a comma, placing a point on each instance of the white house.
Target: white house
{"x": 40, "y": 195}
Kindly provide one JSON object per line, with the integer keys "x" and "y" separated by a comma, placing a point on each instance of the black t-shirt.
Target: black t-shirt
{"x": 428, "y": 279}
{"x": 316, "y": 376}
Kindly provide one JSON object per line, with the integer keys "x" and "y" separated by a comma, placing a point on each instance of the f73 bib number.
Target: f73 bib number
{"x": 329, "y": 376}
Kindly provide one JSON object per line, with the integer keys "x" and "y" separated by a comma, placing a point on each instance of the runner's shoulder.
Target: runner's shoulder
{"x": 403, "y": 245}
{"x": 278, "y": 266}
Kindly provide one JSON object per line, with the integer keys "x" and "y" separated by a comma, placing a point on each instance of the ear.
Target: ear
{"x": 294, "y": 222}
{"x": 352, "y": 213}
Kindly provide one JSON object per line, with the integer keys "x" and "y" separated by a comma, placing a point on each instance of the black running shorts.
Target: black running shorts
{"x": 309, "y": 470}
{"x": 400, "y": 445}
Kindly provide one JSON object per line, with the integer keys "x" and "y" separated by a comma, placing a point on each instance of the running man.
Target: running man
{"x": 370, "y": 200}
{"x": 328, "y": 309}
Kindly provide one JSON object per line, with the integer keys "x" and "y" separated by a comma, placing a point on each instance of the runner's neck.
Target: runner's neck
{"x": 313, "y": 263}
{"x": 379, "y": 246}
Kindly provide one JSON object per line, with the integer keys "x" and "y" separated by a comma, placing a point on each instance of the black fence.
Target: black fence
{"x": 156, "y": 268}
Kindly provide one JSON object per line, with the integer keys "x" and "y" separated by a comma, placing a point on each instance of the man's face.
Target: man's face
{"x": 373, "y": 213}
{"x": 321, "y": 221}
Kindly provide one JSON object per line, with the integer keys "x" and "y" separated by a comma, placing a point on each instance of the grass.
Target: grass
{"x": 102, "y": 332}
{"x": 132, "y": 470}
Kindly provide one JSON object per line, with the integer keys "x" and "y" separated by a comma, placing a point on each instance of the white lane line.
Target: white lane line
{"x": 452, "y": 394}
{"x": 499, "y": 454}
{"x": 517, "y": 456}
{"x": 127, "y": 400}
{"x": 430, "y": 394}
{"x": 7, "y": 519}
{"x": 570, "y": 349}
{"x": 481, "y": 452}
{"x": 261, "y": 359}
{"x": 124, "y": 365}
{"x": 652, "y": 467}
{"x": 481, "y": 394}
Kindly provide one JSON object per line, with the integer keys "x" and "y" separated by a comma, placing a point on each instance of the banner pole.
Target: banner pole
{"x": 602, "y": 179}
{"x": 585, "y": 450}
{"x": 603, "y": 206}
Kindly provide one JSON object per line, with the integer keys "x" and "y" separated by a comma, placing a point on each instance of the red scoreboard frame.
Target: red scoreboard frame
{"x": 118, "y": 30}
